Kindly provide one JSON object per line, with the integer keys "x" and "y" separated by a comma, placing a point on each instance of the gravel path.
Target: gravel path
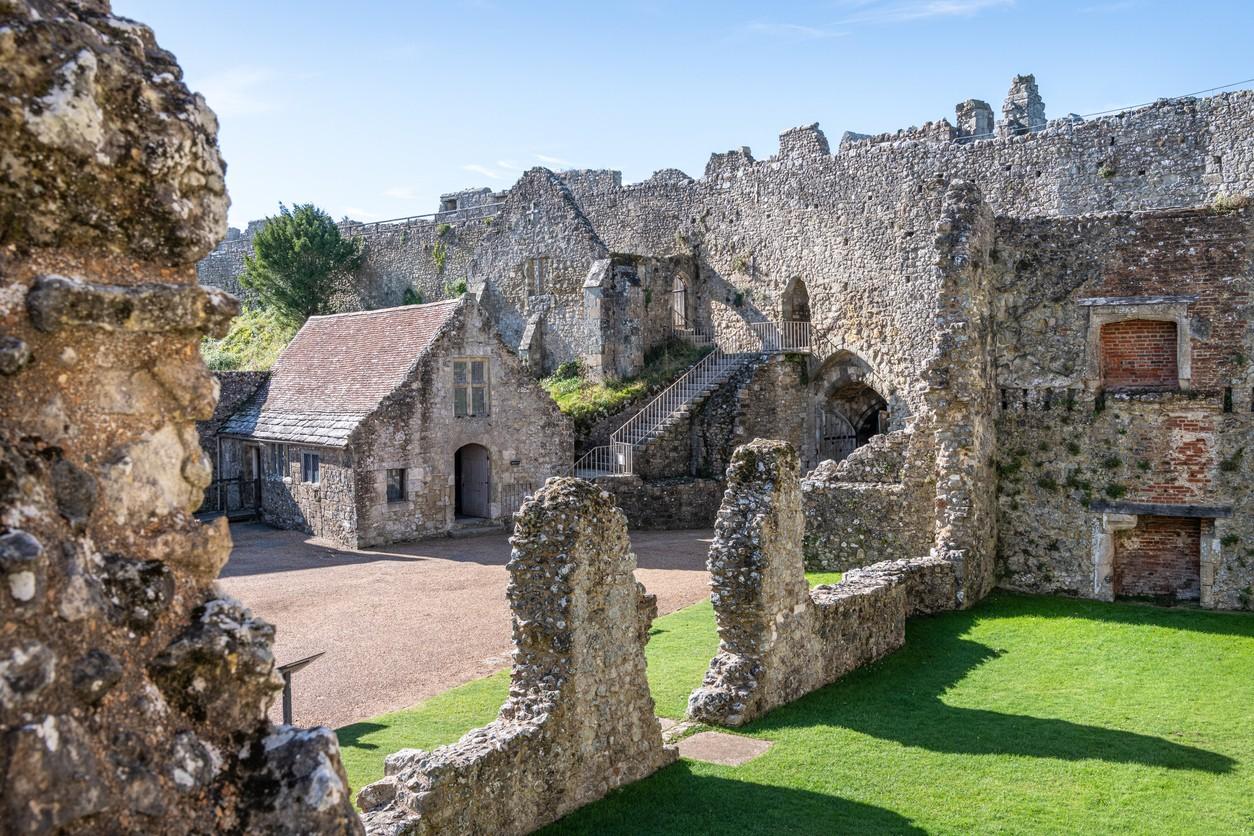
{"x": 401, "y": 623}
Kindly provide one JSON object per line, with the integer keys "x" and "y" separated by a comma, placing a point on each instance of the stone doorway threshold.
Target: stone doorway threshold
{"x": 714, "y": 747}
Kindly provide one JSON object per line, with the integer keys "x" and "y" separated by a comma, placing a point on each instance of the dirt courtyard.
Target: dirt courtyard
{"x": 403, "y": 622}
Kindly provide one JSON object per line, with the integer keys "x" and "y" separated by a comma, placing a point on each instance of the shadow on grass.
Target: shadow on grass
{"x": 352, "y": 734}
{"x": 899, "y": 699}
{"x": 676, "y": 800}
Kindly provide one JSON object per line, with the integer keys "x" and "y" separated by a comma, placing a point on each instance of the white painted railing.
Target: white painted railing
{"x": 728, "y": 353}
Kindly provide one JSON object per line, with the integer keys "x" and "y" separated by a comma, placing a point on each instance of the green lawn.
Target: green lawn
{"x": 1022, "y": 715}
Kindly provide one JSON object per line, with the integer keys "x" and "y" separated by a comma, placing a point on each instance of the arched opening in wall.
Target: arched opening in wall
{"x": 795, "y": 302}
{"x": 679, "y": 304}
{"x": 472, "y": 468}
{"x": 848, "y": 411}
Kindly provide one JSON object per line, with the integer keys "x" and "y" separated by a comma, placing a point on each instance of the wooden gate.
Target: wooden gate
{"x": 837, "y": 437}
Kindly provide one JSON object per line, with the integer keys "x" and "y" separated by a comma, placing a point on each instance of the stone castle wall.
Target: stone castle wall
{"x": 133, "y": 696}
{"x": 1068, "y": 447}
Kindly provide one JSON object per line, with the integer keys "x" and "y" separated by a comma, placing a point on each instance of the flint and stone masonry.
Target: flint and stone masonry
{"x": 579, "y": 720}
{"x": 133, "y": 696}
{"x": 779, "y": 640}
{"x": 1002, "y": 292}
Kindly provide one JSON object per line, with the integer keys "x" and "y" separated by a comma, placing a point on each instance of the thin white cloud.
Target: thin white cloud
{"x": 546, "y": 158}
{"x": 508, "y": 165}
{"x": 400, "y": 193}
{"x": 241, "y": 91}
{"x": 482, "y": 169}
{"x": 795, "y": 31}
{"x": 903, "y": 11}
{"x": 361, "y": 214}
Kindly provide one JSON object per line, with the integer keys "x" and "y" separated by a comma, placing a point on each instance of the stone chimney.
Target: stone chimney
{"x": 1023, "y": 110}
{"x": 974, "y": 118}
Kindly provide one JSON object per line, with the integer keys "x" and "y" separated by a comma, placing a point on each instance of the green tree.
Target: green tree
{"x": 298, "y": 258}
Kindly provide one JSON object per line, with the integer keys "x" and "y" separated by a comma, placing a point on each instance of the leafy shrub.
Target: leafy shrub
{"x": 254, "y": 341}
{"x": 587, "y": 402}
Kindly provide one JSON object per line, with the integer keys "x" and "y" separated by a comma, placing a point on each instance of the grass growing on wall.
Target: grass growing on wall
{"x": 587, "y": 402}
{"x": 1022, "y": 714}
{"x": 256, "y": 337}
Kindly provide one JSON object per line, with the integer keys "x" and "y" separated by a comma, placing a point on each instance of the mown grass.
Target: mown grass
{"x": 1021, "y": 715}
{"x": 256, "y": 337}
{"x": 587, "y": 402}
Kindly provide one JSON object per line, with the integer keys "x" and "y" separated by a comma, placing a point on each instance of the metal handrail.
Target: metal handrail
{"x": 730, "y": 351}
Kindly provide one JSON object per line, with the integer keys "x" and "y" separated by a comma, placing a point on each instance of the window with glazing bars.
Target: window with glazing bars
{"x": 470, "y": 388}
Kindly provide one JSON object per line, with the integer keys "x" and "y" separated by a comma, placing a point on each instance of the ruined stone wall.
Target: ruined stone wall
{"x": 579, "y": 720}
{"x": 875, "y": 505}
{"x": 527, "y": 438}
{"x": 1066, "y": 446}
{"x": 779, "y": 640}
{"x": 665, "y": 504}
{"x": 961, "y": 392}
{"x": 133, "y": 697}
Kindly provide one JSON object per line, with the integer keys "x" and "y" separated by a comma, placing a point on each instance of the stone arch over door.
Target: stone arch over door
{"x": 849, "y": 410}
{"x": 794, "y": 305}
{"x": 472, "y": 468}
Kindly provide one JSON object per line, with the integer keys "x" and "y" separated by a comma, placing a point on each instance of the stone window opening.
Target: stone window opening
{"x": 448, "y": 204}
{"x": 278, "y": 461}
{"x": 536, "y": 273}
{"x": 1139, "y": 354}
{"x": 310, "y": 465}
{"x": 470, "y": 387}
{"x": 396, "y": 478}
{"x": 1139, "y": 343}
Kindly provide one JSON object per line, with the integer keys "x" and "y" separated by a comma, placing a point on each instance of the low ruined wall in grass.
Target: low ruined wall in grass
{"x": 778, "y": 639}
{"x": 579, "y": 720}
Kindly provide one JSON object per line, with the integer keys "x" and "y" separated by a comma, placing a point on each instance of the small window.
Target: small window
{"x": 470, "y": 388}
{"x": 309, "y": 463}
{"x": 278, "y": 460}
{"x": 396, "y": 484}
{"x": 536, "y": 271}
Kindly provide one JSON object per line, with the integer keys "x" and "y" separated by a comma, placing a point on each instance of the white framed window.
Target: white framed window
{"x": 310, "y": 464}
{"x": 278, "y": 460}
{"x": 396, "y": 484}
{"x": 470, "y": 387}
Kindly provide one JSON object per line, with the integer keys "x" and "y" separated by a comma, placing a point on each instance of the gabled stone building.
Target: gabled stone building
{"x": 386, "y": 425}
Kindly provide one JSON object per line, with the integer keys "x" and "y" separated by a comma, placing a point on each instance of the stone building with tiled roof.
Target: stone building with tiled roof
{"x": 385, "y": 425}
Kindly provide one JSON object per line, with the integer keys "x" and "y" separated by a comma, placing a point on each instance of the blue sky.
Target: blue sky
{"x": 373, "y": 109}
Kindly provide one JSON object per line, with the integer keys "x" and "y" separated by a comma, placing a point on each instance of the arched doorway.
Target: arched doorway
{"x": 795, "y": 302}
{"x": 848, "y": 412}
{"x": 472, "y": 467}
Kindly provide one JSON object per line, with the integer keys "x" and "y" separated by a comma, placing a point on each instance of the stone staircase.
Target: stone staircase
{"x": 678, "y": 401}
